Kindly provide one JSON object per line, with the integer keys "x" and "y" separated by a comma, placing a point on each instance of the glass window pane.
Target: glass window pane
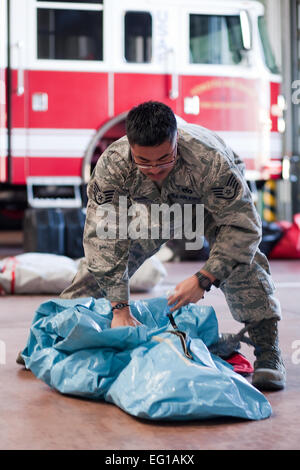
{"x": 267, "y": 48}
{"x": 70, "y": 34}
{"x": 138, "y": 37}
{"x": 215, "y": 39}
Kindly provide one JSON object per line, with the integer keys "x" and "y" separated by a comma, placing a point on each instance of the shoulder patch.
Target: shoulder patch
{"x": 228, "y": 191}
{"x": 186, "y": 190}
{"x": 102, "y": 197}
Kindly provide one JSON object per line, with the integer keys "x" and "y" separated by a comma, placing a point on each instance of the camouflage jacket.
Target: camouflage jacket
{"x": 207, "y": 172}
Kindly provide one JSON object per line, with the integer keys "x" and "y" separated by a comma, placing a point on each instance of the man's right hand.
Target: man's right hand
{"x": 123, "y": 317}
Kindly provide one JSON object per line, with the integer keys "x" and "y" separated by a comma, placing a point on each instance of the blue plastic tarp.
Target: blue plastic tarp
{"x": 140, "y": 369}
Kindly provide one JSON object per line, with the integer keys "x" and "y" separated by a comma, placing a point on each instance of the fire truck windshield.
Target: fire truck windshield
{"x": 267, "y": 48}
{"x": 215, "y": 39}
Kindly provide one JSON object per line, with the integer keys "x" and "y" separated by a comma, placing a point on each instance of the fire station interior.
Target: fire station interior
{"x": 53, "y": 366}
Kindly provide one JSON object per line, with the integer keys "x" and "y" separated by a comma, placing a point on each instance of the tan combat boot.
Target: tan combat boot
{"x": 269, "y": 371}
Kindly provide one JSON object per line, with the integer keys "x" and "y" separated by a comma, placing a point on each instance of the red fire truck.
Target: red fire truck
{"x": 70, "y": 70}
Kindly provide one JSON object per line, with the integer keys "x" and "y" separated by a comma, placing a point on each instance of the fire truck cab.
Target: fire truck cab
{"x": 71, "y": 70}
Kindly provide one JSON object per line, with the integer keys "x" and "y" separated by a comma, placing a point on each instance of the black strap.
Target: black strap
{"x": 171, "y": 318}
{"x": 181, "y": 334}
{"x": 119, "y": 306}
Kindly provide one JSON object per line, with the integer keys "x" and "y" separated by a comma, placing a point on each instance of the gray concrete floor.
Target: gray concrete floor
{"x": 32, "y": 416}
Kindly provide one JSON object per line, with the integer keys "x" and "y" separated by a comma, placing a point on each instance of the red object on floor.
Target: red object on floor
{"x": 288, "y": 246}
{"x": 240, "y": 364}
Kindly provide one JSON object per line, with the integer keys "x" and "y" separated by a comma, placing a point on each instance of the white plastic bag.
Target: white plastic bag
{"x": 43, "y": 273}
{"x": 151, "y": 273}
{"x": 36, "y": 273}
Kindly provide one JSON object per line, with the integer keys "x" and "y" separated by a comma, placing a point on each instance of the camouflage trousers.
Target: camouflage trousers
{"x": 84, "y": 283}
{"x": 249, "y": 289}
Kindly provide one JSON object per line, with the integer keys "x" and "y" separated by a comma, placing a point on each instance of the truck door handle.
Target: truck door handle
{"x": 20, "y": 70}
{"x": 174, "y": 90}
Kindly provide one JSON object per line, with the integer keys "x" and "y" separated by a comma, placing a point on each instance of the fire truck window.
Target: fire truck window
{"x": 138, "y": 37}
{"x": 267, "y": 48}
{"x": 70, "y": 34}
{"x": 215, "y": 39}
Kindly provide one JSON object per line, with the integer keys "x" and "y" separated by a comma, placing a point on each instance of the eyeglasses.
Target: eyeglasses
{"x": 162, "y": 165}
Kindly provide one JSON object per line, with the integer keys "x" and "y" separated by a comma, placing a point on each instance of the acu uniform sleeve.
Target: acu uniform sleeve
{"x": 107, "y": 258}
{"x": 238, "y": 226}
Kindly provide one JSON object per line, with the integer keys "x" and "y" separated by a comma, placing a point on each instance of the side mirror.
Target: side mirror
{"x": 246, "y": 30}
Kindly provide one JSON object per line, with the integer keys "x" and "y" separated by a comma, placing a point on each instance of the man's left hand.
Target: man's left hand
{"x": 187, "y": 291}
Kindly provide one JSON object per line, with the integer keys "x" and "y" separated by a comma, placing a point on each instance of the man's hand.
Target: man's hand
{"x": 185, "y": 292}
{"x": 123, "y": 317}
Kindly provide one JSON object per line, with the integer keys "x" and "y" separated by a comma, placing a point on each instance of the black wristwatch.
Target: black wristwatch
{"x": 119, "y": 306}
{"x": 205, "y": 283}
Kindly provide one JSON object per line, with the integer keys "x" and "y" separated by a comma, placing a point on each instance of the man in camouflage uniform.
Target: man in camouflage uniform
{"x": 156, "y": 163}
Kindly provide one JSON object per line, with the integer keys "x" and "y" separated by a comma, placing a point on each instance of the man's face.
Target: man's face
{"x": 156, "y": 162}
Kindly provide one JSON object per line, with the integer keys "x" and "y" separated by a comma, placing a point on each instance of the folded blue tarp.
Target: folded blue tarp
{"x": 141, "y": 369}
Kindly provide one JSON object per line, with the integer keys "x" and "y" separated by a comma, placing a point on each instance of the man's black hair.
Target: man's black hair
{"x": 150, "y": 124}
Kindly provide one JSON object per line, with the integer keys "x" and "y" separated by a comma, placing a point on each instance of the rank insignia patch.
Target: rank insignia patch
{"x": 186, "y": 190}
{"x": 228, "y": 191}
{"x": 103, "y": 197}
